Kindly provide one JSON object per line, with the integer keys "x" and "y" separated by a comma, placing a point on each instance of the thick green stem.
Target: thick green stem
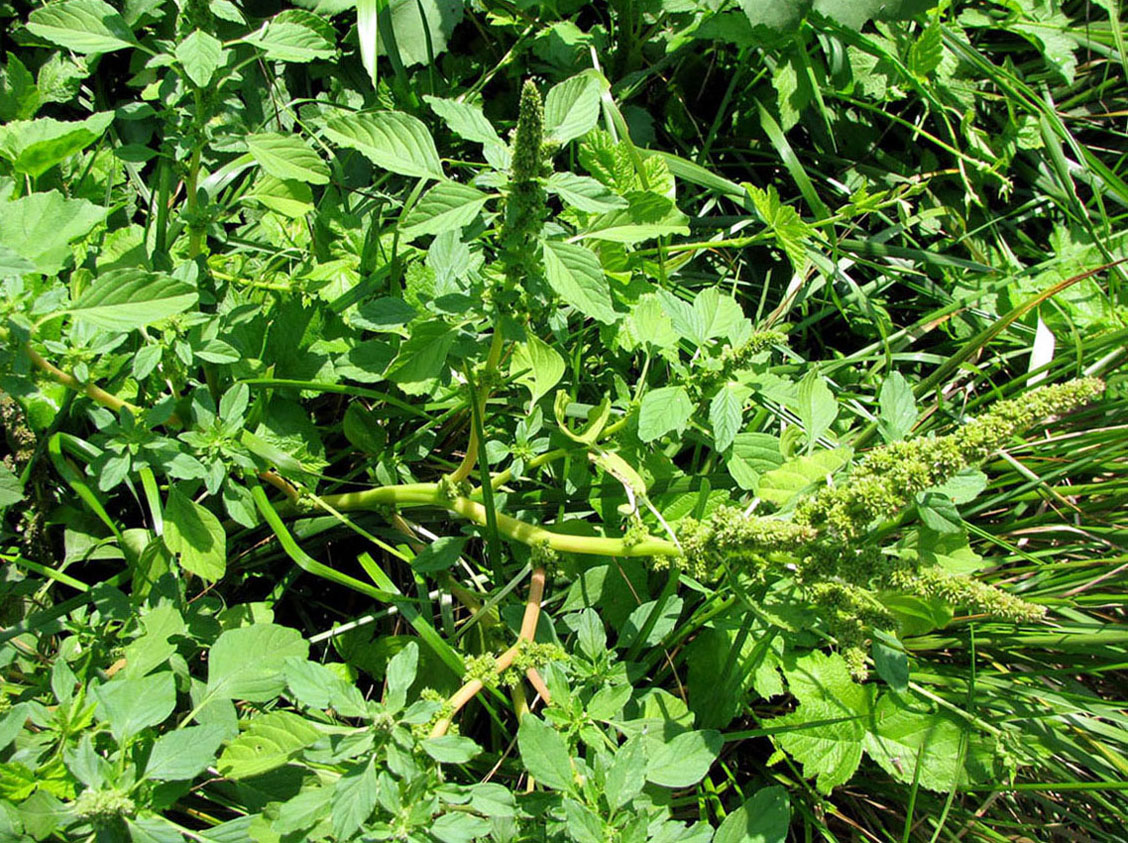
{"x": 428, "y": 494}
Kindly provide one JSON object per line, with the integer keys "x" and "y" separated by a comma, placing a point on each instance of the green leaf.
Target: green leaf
{"x": 354, "y": 798}
{"x": 784, "y": 222}
{"x": 683, "y": 760}
{"x": 765, "y": 818}
{"x": 651, "y": 325}
{"x": 465, "y": 120}
{"x": 583, "y": 825}
{"x": 400, "y": 673}
{"x": 126, "y": 299}
{"x": 35, "y": 146}
{"x": 627, "y": 775}
{"x": 457, "y": 827}
{"x": 440, "y": 555}
{"x": 129, "y": 705}
{"x": 780, "y": 485}
{"x": 451, "y": 749}
{"x": 184, "y": 754}
{"x": 297, "y": 36}
{"x": 544, "y": 753}
{"x": 963, "y": 487}
{"x": 10, "y": 489}
{"x": 856, "y": 13}
{"x": 422, "y": 359}
{"x": 290, "y": 198}
{"x": 664, "y": 410}
{"x": 12, "y": 263}
{"x": 890, "y": 661}
{"x": 246, "y": 663}
{"x": 898, "y": 408}
{"x": 41, "y": 226}
{"x": 367, "y": 34}
{"x": 915, "y": 615}
{"x": 288, "y": 157}
{"x": 646, "y": 216}
{"x": 726, "y": 412}
{"x": 825, "y": 733}
{"x": 383, "y": 314}
{"x": 155, "y": 646}
{"x": 447, "y": 205}
{"x": 575, "y": 274}
{"x": 192, "y": 532}
{"x": 201, "y": 55}
{"x": 752, "y": 455}
{"x": 900, "y": 734}
{"x": 542, "y": 365}
{"x": 422, "y": 28}
{"x": 571, "y": 108}
{"x": 269, "y": 741}
{"x": 19, "y": 96}
{"x": 391, "y": 140}
{"x": 939, "y": 513}
{"x": 817, "y": 407}
{"x": 84, "y": 26}
{"x": 584, "y": 193}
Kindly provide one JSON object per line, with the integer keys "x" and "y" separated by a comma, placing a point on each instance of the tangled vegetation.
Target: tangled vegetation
{"x": 663, "y": 421}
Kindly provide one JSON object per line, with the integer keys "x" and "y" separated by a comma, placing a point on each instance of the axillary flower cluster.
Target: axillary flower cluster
{"x": 825, "y": 546}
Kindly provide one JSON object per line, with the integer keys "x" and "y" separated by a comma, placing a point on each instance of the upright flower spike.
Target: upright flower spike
{"x": 529, "y": 136}
{"x": 525, "y": 206}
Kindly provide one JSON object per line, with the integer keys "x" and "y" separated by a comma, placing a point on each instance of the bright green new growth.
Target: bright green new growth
{"x": 823, "y": 548}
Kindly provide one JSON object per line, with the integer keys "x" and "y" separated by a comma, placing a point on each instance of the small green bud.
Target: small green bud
{"x": 102, "y": 807}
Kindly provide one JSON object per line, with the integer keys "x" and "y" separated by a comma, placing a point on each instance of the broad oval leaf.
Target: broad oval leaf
{"x": 41, "y": 226}
{"x": 392, "y": 140}
{"x": 246, "y": 663}
{"x": 200, "y": 54}
{"x": 683, "y": 760}
{"x": 544, "y": 753}
{"x": 35, "y": 146}
{"x": 192, "y": 532}
{"x": 296, "y": 36}
{"x": 663, "y": 410}
{"x": 571, "y": 108}
{"x": 126, "y": 299}
{"x": 130, "y": 705}
{"x": 765, "y": 818}
{"x": 269, "y": 742}
{"x": 288, "y": 157}
{"x": 447, "y": 205}
{"x": 576, "y": 275}
{"x": 183, "y": 754}
{"x": 85, "y": 26}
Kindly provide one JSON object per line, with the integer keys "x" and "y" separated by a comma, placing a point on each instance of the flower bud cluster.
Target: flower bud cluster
{"x": 890, "y": 476}
{"x": 483, "y": 668}
{"x": 531, "y": 655}
{"x": 964, "y": 591}
{"x": 102, "y": 807}
{"x": 727, "y": 536}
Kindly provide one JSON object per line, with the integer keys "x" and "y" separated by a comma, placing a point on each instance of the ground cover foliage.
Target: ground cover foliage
{"x": 570, "y": 421}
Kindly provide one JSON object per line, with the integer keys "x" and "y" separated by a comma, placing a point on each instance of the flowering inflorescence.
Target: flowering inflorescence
{"x": 525, "y": 204}
{"x": 890, "y": 476}
{"x": 102, "y": 807}
{"x": 531, "y": 655}
{"x": 824, "y": 550}
{"x": 727, "y": 536}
